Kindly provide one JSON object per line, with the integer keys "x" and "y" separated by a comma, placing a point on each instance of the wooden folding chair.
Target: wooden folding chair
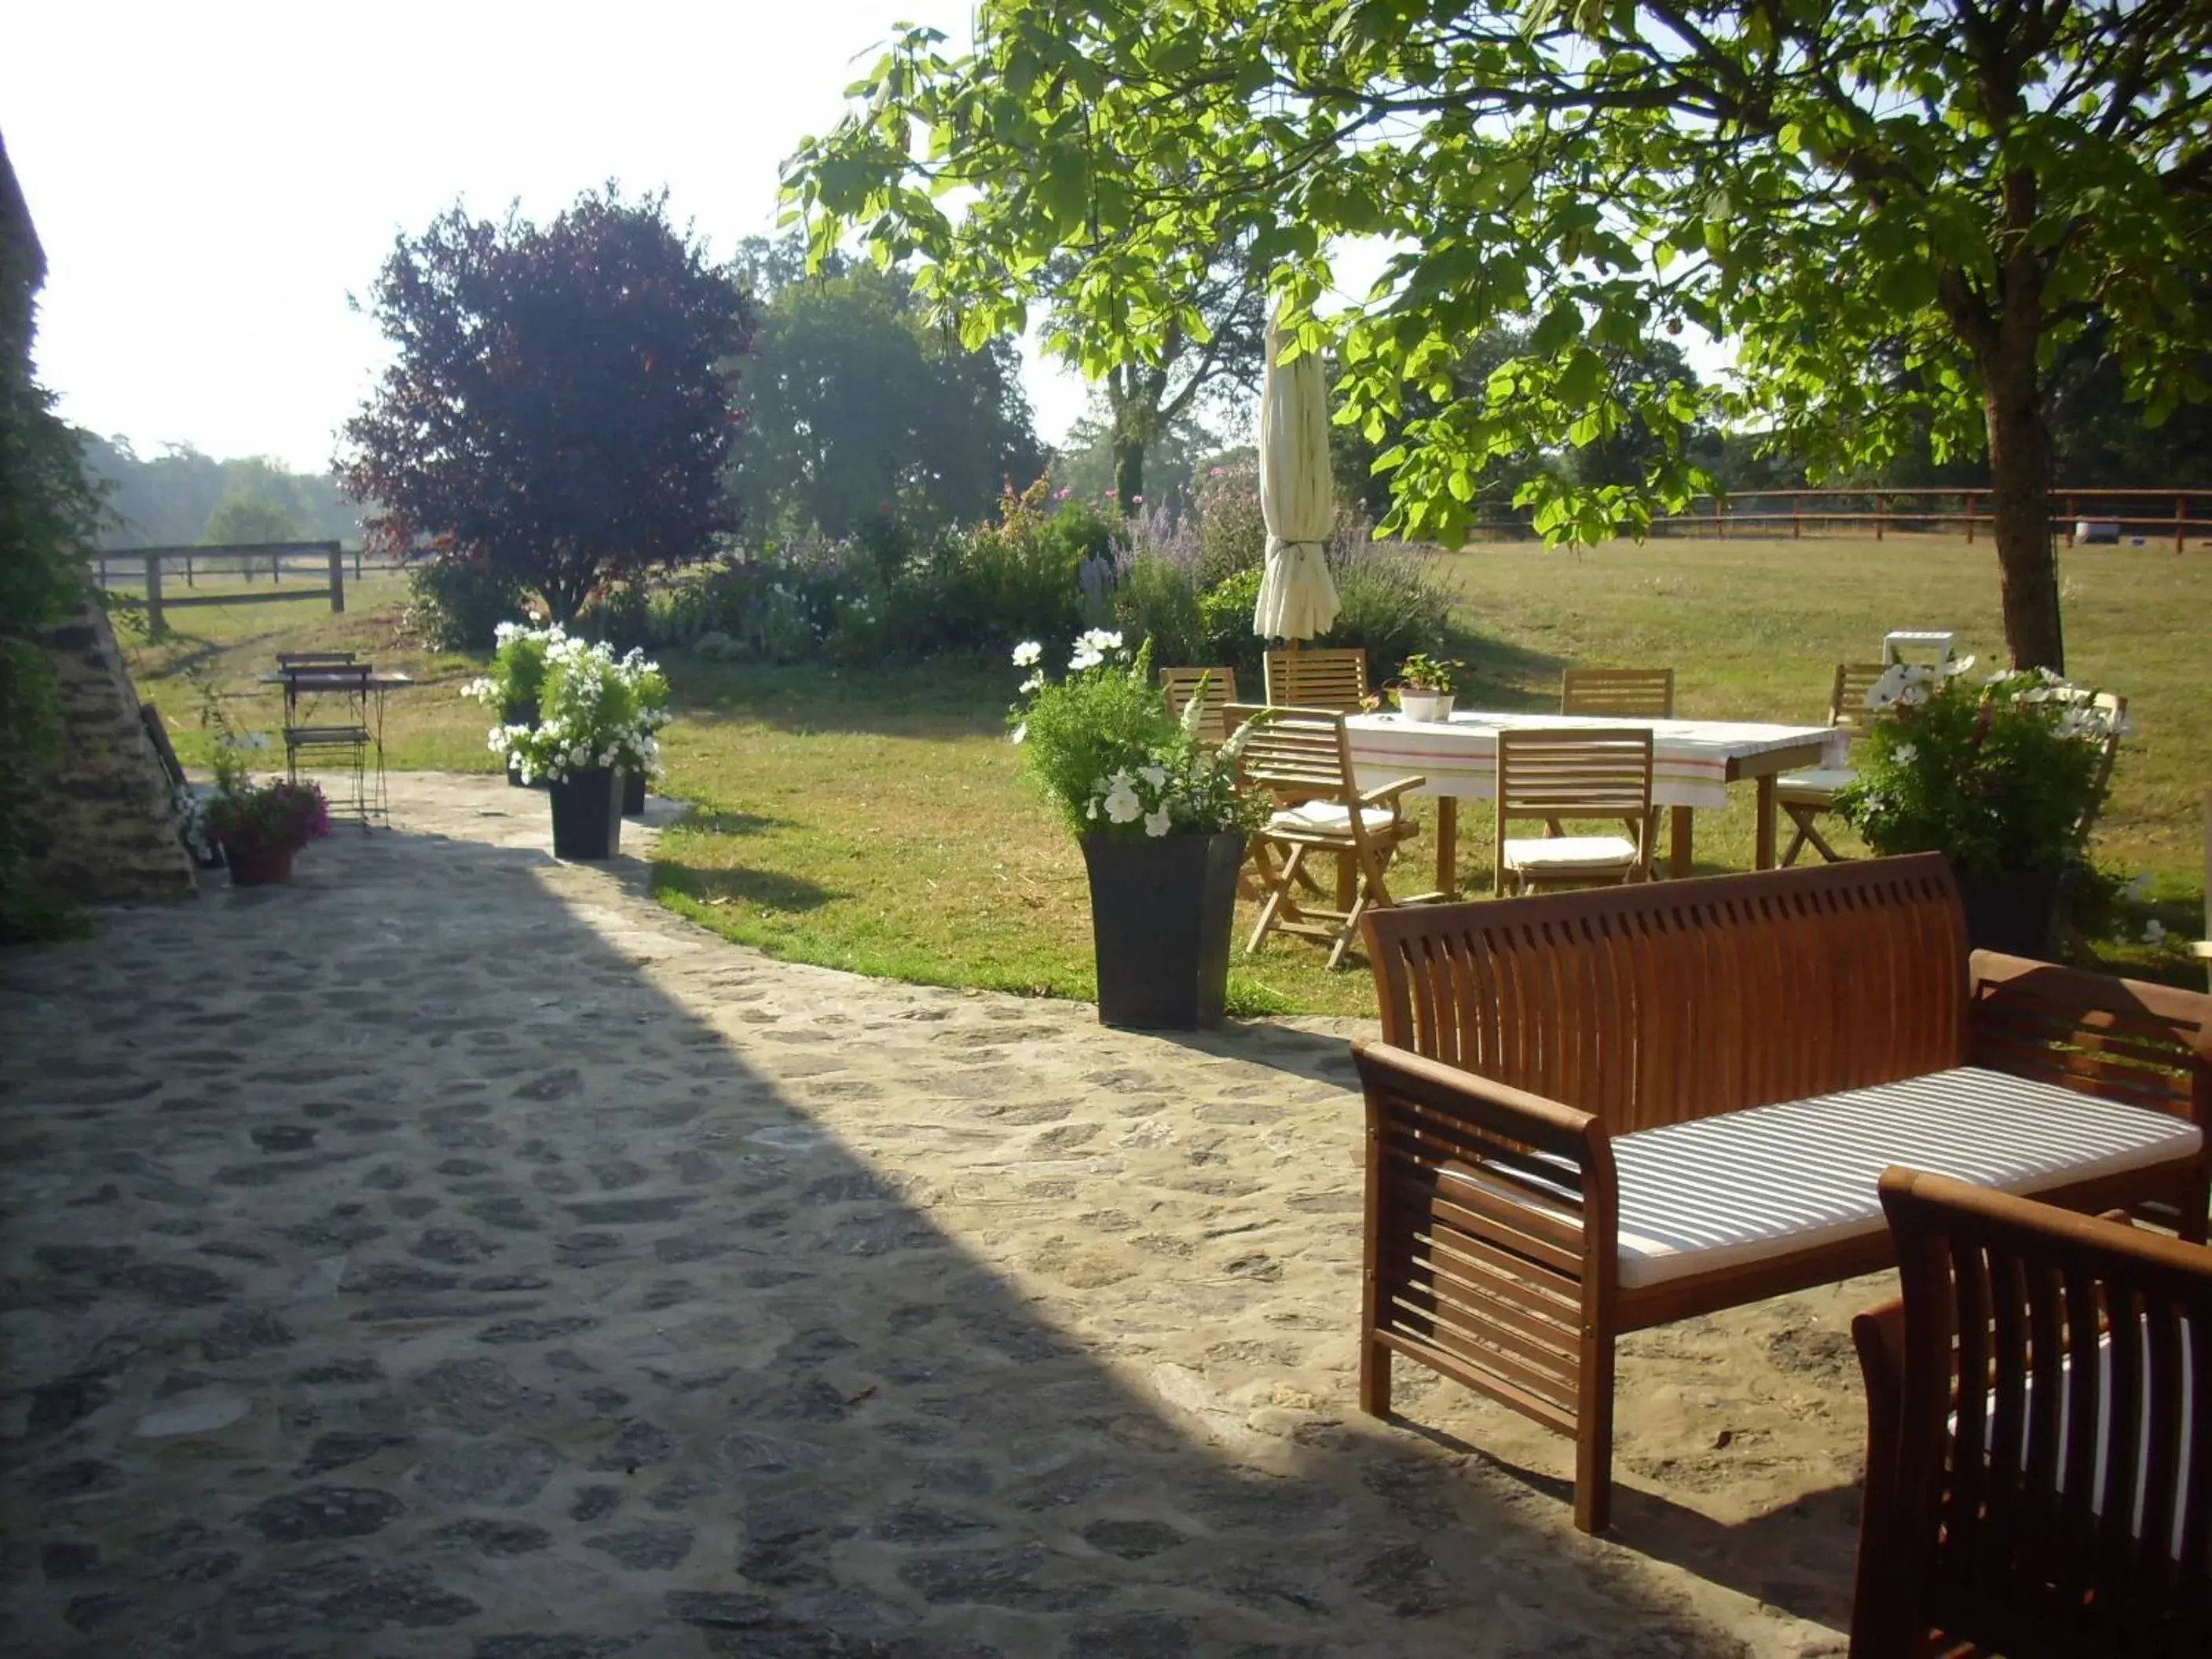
{"x": 2038, "y": 1433}
{"x": 1317, "y": 679}
{"x": 2202, "y": 949}
{"x": 1220, "y": 690}
{"x": 1301, "y": 758}
{"x": 1563, "y": 772}
{"x": 1804, "y": 796}
{"x": 1643, "y": 694}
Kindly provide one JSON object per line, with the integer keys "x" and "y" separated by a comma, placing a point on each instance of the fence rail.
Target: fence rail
{"x": 2124, "y": 510}
{"x": 325, "y": 561}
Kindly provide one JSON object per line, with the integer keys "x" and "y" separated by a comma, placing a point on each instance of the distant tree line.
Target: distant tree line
{"x": 183, "y": 498}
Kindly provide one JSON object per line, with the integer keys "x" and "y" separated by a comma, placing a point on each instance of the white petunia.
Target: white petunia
{"x": 1034, "y": 682}
{"x": 1155, "y": 775}
{"x": 1157, "y": 823}
{"x": 1122, "y": 805}
{"x": 1905, "y": 753}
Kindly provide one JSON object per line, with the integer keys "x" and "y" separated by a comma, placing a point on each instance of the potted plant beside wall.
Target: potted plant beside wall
{"x": 2000, "y": 774}
{"x": 591, "y": 727}
{"x": 258, "y": 827}
{"x": 1161, "y": 824}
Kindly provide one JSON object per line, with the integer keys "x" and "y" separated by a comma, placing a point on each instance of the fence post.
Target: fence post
{"x": 1796, "y": 523}
{"x": 1970, "y": 517}
{"x": 356, "y": 564}
{"x": 2069, "y": 521}
{"x": 338, "y": 579}
{"x": 1877, "y": 515}
{"x": 2180, "y": 521}
{"x": 189, "y": 582}
{"x": 276, "y": 568}
{"x": 155, "y": 626}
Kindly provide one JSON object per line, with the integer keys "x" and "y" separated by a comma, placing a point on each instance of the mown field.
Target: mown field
{"x": 879, "y": 820}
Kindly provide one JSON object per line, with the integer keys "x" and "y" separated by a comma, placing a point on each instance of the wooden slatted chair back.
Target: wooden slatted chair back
{"x": 2113, "y": 709}
{"x": 1294, "y": 754}
{"x": 1661, "y": 1002}
{"x": 1628, "y": 692}
{"x": 2039, "y": 1464}
{"x": 1570, "y": 772}
{"x": 1217, "y": 685}
{"x": 1847, "y": 698}
{"x": 1317, "y": 679}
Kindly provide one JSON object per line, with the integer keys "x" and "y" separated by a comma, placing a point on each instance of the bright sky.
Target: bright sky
{"x": 211, "y": 181}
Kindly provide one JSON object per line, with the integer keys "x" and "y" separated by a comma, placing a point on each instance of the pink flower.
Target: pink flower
{"x": 1136, "y": 500}
{"x": 1064, "y": 494}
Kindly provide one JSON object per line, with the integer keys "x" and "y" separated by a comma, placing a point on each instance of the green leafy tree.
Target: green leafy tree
{"x": 244, "y": 520}
{"x": 560, "y": 400}
{"x": 1968, "y": 184}
{"x": 860, "y": 408}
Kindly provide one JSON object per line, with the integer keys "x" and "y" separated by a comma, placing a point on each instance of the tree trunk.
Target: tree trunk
{"x": 1128, "y": 476}
{"x": 2020, "y": 504}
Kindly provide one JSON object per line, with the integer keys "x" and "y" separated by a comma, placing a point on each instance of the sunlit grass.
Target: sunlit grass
{"x": 879, "y": 820}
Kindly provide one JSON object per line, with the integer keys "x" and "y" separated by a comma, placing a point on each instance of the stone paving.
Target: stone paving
{"x": 453, "y": 1254}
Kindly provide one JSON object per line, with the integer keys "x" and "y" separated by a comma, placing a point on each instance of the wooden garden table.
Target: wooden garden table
{"x": 1692, "y": 763}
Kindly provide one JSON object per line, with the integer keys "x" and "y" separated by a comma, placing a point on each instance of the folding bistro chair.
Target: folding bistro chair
{"x": 1804, "y": 796}
{"x": 2038, "y": 1433}
{"x": 1557, "y": 773}
{"x": 1642, "y": 694}
{"x": 1317, "y": 679}
{"x": 1301, "y": 758}
{"x": 344, "y": 738}
{"x": 1219, "y": 688}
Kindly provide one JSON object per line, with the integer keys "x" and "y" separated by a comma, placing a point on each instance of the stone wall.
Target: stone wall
{"x": 103, "y": 811}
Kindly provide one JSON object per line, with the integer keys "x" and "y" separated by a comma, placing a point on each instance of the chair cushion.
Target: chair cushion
{"x": 1820, "y": 780}
{"x": 1328, "y": 817}
{"x": 1774, "y": 1180}
{"x": 1569, "y": 853}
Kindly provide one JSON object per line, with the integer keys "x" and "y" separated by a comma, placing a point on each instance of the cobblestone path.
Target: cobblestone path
{"x": 454, "y": 1254}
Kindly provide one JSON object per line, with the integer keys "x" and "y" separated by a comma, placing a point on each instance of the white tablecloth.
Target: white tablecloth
{"x": 1459, "y": 757}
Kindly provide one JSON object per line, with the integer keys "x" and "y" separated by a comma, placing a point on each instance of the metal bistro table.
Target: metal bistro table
{"x": 377, "y": 683}
{"x": 1692, "y": 763}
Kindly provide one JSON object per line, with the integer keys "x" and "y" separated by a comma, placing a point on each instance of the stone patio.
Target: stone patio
{"x": 456, "y": 1254}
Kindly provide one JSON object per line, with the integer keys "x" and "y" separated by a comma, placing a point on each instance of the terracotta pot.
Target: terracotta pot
{"x": 260, "y": 867}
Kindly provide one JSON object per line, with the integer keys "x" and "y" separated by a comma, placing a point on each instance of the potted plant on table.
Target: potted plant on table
{"x": 1425, "y": 686}
{"x": 1161, "y": 822}
{"x": 2000, "y": 775}
{"x": 592, "y": 726}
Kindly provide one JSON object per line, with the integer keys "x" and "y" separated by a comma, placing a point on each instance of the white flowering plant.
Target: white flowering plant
{"x": 1102, "y": 745}
{"x": 1998, "y": 774}
{"x": 595, "y": 710}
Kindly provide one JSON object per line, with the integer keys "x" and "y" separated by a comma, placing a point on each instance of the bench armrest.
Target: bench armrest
{"x": 2121, "y": 1039}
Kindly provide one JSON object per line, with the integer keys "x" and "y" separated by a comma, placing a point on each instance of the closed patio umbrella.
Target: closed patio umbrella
{"x": 1298, "y": 598}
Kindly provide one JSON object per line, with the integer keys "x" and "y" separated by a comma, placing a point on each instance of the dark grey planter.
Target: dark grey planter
{"x": 587, "y": 814}
{"x": 1161, "y": 914}
{"x": 2018, "y": 912}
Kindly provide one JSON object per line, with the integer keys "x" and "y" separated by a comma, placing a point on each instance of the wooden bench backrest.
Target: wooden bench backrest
{"x": 1660, "y": 1003}
{"x": 1991, "y": 1513}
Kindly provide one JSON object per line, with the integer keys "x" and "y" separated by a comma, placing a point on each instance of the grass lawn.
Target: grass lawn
{"x": 879, "y": 820}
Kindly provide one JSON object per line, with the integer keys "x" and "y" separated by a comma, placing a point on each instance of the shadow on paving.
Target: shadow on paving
{"x": 390, "y": 1268}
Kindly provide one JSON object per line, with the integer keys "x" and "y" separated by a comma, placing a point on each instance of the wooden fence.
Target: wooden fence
{"x": 323, "y": 563}
{"x": 2131, "y": 513}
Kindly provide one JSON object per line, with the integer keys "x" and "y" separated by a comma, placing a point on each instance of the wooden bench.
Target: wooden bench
{"x": 1592, "y": 1113}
